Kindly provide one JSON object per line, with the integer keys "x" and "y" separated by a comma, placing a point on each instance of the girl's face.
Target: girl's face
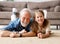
{"x": 39, "y": 18}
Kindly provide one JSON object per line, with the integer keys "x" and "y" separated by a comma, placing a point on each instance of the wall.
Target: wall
{"x": 30, "y": 0}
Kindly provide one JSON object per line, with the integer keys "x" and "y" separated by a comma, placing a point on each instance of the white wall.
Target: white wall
{"x": 33, "y": 0}
{"x": 1, "y": 0}
{"x": 30, "y": 0}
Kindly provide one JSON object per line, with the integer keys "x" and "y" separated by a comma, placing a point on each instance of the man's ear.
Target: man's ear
{"x": 19, "y": 16}
{"x": 31, "y": 19}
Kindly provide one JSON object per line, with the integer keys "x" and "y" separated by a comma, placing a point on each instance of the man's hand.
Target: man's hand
{"x": 14, "y": 34}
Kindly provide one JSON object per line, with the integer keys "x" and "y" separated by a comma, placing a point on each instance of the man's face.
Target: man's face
{"x": 25, "y": 19}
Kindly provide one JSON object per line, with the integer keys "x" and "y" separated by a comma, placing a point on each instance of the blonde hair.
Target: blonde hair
{"x": 45, "y": 23}
{"x": 38, "y": 11}
{"x": 34, "y": 25}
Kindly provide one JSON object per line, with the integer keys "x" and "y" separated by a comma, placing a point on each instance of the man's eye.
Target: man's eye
{"x": 23, "y": 18}
{"x": 27, "y": 18}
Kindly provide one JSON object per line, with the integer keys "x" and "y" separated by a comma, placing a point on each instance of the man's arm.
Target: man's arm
{"x": 27, "y": 34}
{"x": 11, "y": 25}
{"x": 4, "y": 33}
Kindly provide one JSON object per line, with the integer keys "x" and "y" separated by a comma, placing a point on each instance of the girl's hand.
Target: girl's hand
{"x": 40, "y": 35}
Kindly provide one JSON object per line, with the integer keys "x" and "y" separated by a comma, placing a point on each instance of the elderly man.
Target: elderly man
{"x": 20, "y": 27}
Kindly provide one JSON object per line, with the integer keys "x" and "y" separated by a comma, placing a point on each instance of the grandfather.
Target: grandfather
{"x": 20, "y": 27}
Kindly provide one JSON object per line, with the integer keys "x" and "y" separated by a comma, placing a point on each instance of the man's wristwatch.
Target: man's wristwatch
{"x": 20, "y": 35}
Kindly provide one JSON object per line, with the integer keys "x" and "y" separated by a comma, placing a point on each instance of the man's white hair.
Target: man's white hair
{"x": 25, "y": 9}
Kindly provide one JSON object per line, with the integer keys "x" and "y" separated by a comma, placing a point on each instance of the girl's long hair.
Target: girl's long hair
{"x": 34, "y": 25}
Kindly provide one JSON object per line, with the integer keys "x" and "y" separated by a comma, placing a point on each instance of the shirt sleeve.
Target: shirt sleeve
{"x": 10, "y": 26}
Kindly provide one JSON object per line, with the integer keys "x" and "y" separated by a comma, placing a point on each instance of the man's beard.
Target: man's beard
{"x": 24, "y": 24}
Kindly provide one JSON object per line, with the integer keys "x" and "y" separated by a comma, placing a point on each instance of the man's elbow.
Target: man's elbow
{"x": 4, "y": 33}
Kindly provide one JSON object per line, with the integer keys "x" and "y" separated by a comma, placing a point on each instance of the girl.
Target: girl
{"x": 40, "y": 25}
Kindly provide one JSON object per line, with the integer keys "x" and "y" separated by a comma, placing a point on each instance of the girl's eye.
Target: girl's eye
{"x": 40, "y": 16}
{"x": 37, "y": 17}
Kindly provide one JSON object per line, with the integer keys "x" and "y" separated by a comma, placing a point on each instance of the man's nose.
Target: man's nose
{"x": 25, "y": 20}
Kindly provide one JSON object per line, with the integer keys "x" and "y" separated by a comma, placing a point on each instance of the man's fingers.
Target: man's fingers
{"x": 12, "y": 35}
